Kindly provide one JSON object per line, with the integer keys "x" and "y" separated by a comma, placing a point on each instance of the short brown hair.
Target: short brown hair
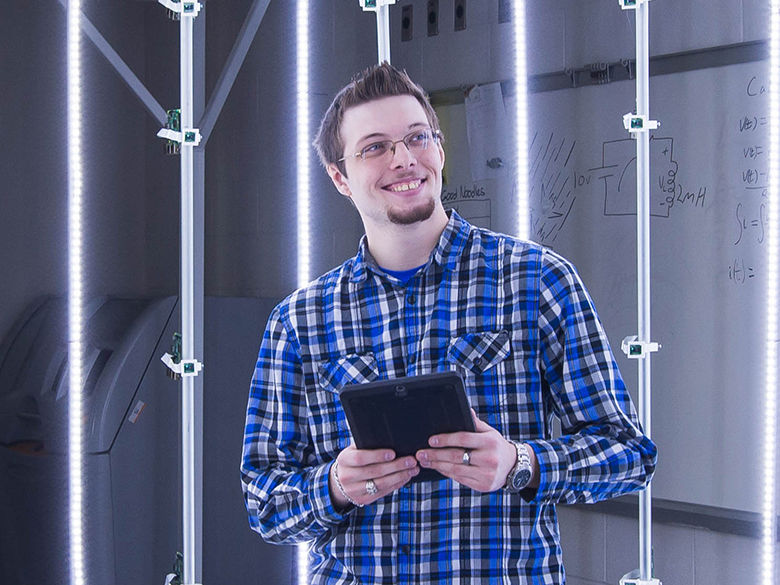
{"x": 376, "y": 82}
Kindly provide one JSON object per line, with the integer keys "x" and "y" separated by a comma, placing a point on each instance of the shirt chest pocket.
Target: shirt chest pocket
{"x": 328, "y": 423}
{"x": 482, "y": 357}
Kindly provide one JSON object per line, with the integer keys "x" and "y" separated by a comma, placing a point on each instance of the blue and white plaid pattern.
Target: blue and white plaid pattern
{"x": 516, "y": 321}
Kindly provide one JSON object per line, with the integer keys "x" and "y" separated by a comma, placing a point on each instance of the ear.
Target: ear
{"x": 339, "y": 179}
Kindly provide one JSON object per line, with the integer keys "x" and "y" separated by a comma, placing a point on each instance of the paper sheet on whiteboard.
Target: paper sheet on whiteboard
{"x": 486, "y": 127}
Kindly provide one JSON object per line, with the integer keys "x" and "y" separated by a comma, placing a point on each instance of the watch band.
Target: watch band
{"x": 521, "y": 474}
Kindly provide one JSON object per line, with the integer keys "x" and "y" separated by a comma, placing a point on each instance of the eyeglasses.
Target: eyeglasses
{"x": 414, "y": 142}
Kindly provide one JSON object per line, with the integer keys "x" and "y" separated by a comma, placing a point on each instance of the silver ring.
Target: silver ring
{"x": 371, "y": 487}
{"x": 466, "y": 457}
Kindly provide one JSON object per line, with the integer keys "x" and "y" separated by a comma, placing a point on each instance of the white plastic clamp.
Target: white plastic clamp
{"x": 171, "y": 577}
{"x": 632, "y": 579}
{"x": 190, "y": 135}
{"x": 631, "y": 4}
{"x": 635, "y": 349}
{"x": 184, "y": 367}
{"x": 374, "y": 5}
{"x": 638, "y": 123}
{"x": 183, "y": 7}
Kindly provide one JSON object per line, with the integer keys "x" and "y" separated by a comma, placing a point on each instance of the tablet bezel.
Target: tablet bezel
{"x": 358, "y": 399}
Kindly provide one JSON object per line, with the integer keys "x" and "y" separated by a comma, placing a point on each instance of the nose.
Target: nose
{"x": 402, "y": 155}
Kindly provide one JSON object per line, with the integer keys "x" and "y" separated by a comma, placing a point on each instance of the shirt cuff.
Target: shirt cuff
{"x": 553, "y": 471}
{"x": 319, "y": 495}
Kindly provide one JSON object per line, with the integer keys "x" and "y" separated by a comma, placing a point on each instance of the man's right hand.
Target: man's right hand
{"x": 357, "y": 467}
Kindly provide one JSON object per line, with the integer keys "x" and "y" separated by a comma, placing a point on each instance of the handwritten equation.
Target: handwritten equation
{"x": 750, "y": 211}
{"x": 739, "y": 272}
{"x": 752, "y": 123}
{"x": 754, "y": 225}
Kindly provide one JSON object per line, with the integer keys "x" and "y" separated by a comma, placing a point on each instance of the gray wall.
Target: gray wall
{"x": 132, "y": 188}
{"x": 251, "y": 170}
{"x": 598, "y": 549}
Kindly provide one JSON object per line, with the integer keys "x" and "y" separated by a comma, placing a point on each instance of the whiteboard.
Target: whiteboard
{"x": 708, "y": 199}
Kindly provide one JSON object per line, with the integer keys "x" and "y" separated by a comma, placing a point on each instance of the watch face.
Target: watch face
{"x": 521, "y": 479}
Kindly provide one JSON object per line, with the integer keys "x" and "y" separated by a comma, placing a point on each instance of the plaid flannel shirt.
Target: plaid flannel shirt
{"x": 515, "y": 320}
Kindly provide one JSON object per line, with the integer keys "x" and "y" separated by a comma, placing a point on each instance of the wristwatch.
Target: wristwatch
{"x": 520, "y": 475}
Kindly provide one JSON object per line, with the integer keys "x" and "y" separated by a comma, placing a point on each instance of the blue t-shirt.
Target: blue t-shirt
{"x": 403, "y": 275}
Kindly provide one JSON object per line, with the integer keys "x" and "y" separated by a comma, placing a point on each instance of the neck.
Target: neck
{"x": 403, "y": 247}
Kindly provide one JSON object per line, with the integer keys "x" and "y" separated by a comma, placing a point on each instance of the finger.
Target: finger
{"x": 394, "y": 481}
{"x": 361, "y": 473}
{"x": 354, "y": 457}
{"x": 477, "y": 478}
{"x": 446, "y": 455}
{"x": 394, "y": 467}
{"x": 465, "y": 474}
{"x": 460, "y": 439}
{"x": 384, "y": 485}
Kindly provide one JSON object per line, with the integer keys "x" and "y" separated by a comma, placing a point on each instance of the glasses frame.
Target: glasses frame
{"x": 436, "y": 137}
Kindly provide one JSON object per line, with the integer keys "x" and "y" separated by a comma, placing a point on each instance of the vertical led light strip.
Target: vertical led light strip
{"x": 769, "y": 506}
{"x": 302, "y": 187}
{"x": 75, "y": 301}
{"x": 521, "y": 118}
{"x": 304, "y": 143}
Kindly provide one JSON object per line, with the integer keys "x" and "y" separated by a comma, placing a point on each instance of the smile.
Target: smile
{"x": 400, "y": 187}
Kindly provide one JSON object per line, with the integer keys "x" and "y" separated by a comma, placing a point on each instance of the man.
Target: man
{"x": 428, "y": 292}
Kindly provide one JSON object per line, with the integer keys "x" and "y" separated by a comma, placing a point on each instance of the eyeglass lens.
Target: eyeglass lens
{"x": 417, "y": 140}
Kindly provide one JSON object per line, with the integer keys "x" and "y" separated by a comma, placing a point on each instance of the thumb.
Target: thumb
{"x": 479, "y": 425}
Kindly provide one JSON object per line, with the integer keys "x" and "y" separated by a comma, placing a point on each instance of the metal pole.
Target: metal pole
{"x": 643, "y": 272}
{"x": 198, "y": 195}
{"x": 382, "y": 9}
{"x": 383, "y": 32}
{"x": 187, "y": 313}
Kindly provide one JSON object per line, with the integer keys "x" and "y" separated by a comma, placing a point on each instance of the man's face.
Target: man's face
{"x": 397, "y": 188}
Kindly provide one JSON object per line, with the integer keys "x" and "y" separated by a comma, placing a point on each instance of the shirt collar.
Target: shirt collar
{"x": 446, "y": 253}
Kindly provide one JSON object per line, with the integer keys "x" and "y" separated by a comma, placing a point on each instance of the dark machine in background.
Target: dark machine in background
{"x": 132, "y": 459}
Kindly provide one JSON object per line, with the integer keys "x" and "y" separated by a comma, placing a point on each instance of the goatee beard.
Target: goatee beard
{"x": 410, "y": 216}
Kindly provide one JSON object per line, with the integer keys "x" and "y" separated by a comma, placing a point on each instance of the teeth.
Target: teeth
{"x": 405, "y": 186}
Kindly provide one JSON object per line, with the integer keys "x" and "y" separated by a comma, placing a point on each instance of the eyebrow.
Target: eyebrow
{"x": 383, "y": 135}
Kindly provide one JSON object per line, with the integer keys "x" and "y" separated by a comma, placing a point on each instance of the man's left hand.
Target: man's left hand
{"x": 490, "y": 456}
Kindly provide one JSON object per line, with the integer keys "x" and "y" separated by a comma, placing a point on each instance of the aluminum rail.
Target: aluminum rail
{"x": 643, "y": 274}
{"x": 383, "y": 33}
{"x": 187, "y": 300}
{"x": 640, "y": 346}
{"x": 382, "y": 9}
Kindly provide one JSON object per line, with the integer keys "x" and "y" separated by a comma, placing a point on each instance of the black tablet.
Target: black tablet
{"x": 402, "y": 413}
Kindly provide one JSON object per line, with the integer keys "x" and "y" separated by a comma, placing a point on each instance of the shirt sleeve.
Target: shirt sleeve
{"x": 287, "y": 500}
{"x": 602, "y": 451}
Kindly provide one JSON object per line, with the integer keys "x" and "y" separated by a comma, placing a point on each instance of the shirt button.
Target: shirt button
{"x": 503, "y": 335}
{"x": 478, "y": 361}
{"x": 406, "y": 549}
{"x": 411, "y": 299}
